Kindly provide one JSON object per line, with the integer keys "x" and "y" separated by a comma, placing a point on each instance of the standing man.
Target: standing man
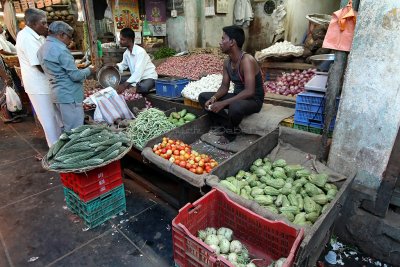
{"x": 35, "y": 82}
{"x": 6, "y": 47}
{"x": 66, "y": 80}
{"x": 248, "y": 96}
{"x": 143, "y": 71}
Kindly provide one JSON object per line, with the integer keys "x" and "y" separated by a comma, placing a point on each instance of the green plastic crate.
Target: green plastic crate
{"x": 310, "y": 129}
{"x": 98, "y": 210}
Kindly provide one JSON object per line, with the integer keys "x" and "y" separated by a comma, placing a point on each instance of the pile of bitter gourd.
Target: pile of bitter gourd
{"x": 86, "y": 146}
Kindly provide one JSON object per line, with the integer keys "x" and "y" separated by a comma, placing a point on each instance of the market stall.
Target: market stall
{"x": 291, "y": 151}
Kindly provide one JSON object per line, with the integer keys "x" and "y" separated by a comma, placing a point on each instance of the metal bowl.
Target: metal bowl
{"x": 322, "y": 62}
{"x": 109, "y": 76}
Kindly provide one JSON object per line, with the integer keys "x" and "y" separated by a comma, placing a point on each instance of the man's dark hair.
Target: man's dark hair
{"x": 236, "y": 33}
{"x": 128, "y": 33}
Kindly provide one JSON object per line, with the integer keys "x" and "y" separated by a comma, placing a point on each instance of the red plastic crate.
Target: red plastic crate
{"x": 269, "y": 240}
{"x": 91, "y": 184}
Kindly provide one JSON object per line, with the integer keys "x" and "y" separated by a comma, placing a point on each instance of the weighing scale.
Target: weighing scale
{"x": 319, "y": 81}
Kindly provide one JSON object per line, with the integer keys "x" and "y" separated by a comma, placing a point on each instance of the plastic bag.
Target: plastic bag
{"x": 341, "y": 29}
{"x": 12, "y": 100}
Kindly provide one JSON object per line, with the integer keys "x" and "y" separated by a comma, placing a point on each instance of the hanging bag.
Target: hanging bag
{"x": 341, "y": 29}
{"x": 12, "y": 100}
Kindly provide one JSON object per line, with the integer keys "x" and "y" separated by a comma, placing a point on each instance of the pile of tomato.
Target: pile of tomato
{"x": 182, "y": 155}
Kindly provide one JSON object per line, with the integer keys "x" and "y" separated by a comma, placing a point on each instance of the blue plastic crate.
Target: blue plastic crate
{"x": 309, "y": 107}
{"x": 311, "y": 98}
{"x": 98, "y": 210}
{"x": 312, "y": 119}
{"x": 168, "y": 87}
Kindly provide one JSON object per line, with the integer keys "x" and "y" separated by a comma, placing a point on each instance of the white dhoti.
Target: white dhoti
{"x": 46, "y": 114}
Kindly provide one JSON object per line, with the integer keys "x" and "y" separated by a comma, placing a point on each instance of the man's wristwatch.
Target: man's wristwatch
{"x": 213, "y": 97}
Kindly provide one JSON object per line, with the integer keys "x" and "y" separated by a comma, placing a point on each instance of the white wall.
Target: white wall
{"x": 297, "y": 24}
{"x": 369, "y": 112}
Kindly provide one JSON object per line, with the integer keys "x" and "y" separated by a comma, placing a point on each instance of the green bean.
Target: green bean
{"x": 148, "y": 124}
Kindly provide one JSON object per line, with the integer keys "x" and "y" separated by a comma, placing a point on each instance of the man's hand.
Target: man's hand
{"x": 218, "y": 106}
{"x": 122, "y": 87}
{"x": 209, "y": 102}
{"x": 92, "y": 69}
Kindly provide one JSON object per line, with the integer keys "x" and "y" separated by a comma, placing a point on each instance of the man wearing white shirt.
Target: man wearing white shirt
{"x": 6, "y": 48}
{"x": 36, "y": 84}
{"x": 143, "y": 71}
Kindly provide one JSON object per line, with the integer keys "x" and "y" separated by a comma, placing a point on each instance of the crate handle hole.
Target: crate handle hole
{"x": 194, "y": 209}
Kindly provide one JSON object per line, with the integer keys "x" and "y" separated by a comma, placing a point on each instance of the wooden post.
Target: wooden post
{"x": 89, "y": 16}
{"x": 333, "y": 90}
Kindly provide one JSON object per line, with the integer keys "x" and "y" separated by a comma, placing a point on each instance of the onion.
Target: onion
{"x": 290, "y": 83}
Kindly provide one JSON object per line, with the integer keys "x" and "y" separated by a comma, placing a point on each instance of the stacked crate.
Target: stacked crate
{"x": 96, "y": 195}
{"x": 310, "y": 111}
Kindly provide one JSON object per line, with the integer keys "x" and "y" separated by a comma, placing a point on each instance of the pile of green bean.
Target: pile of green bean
{"x": 147, "y": 125}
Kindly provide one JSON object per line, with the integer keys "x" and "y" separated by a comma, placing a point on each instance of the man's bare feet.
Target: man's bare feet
{"x": 218, "y": 131}
{"x": 223, "y": 140}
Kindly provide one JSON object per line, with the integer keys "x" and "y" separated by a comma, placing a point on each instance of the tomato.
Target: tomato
{"x": 182, "y": 164}
{"x": 197, "y": 159}
{"x": 170, "y": 141}
{"x": 192, "y": 170}
{"x": 158, "y": 152}
{"x": 187, "y": 150}
{"x": 187, "y": 156}
{"x": 177, "y": 161}
{"x": 199, "y": 170}
{"x": 182, "y": 152}
{"x": 163, "y": 151}
{"x": 208, "y": 169}
{"x": 188, "y": 165}
{"x": 201, "y": 163}
{"x": 163, "y": 144}
{"x": 195, "y": 165}
{"x": 182, "y": 157}
{"x": 176, "y": 152}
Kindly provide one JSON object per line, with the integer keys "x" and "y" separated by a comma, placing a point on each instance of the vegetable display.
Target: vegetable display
{"x": 222, "y": 242}
{"x": 284, "y": 47}
{"x": 289, "y": 190}
{"x": 192, "y": 66}
{"x": 86, "y": 146}
{"x": 164, "y": 52}
{"x": 182, "y": 155}
{"x": 181, "y": 117}
{"x": 209, "y": 83}
{"x": 90, "y": 87}
{"x": 149, "y": 124}
{"x": 290, "y": 83}
{"x": 130, "y": 96}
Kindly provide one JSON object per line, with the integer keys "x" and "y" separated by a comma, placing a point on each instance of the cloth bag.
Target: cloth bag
{"x": 341, "y": 29}
{"x": 109, "y": 106}
{"x": 12, "y": 100}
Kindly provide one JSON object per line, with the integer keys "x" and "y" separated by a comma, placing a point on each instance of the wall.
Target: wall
{"x": 369, "y": 113}
{"x": 297, "y": 10}
{"x": 192, "y": 29}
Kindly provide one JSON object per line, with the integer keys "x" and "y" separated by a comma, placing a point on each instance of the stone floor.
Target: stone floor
{"x": 37, "y": 229}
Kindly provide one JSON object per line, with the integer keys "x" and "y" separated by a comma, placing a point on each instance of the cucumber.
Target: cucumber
{"x": 107, "y": 142}
{"x": 76, "y": 159}
{"x": 109, "y": 150}
{"x": 62, "y": 158}
{"x": 112, "y": 155}
{"x": 183, "y": 112}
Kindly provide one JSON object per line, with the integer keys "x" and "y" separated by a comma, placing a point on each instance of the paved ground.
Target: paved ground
{"x": 37, "y": 229}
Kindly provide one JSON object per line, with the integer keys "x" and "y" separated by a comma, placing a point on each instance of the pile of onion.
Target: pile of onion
{"x": 290, "y": 83}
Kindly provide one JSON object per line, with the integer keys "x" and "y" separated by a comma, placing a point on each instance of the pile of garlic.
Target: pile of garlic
{"x": 209, "y": 83}
{"x": 284, "y": 47}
